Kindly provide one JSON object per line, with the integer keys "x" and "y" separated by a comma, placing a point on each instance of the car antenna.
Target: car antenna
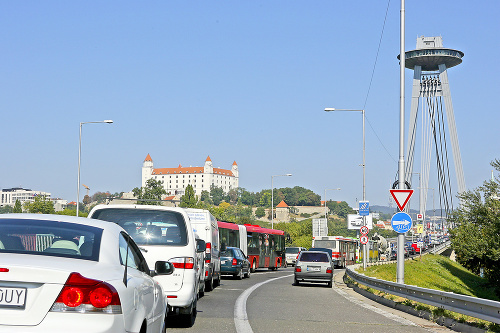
{"x": 126, "y": 265}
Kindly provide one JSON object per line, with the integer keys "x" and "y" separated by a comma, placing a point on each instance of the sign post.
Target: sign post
{"x": 401, "y": 223}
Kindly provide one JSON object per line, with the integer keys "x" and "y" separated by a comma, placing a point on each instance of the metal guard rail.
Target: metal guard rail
{"x": 471, "y": 306}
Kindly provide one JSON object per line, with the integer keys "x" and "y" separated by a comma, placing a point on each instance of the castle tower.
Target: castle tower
{"x": 147, "y": 169}
{"x": 208, "y": 167}
{"x": 430, "y": 93}
{"x": 234, "y": 169}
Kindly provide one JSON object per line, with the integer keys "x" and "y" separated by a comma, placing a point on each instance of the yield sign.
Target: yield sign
{"x": 401, "y": 197}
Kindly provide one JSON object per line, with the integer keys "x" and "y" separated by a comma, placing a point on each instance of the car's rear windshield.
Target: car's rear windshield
{"x": 50, "y": 238}
{"x": 292, "y": 250}
{"x": 148, "y": 226}
{"x": 313, "y": 257}
{"x": 227, "y": 253}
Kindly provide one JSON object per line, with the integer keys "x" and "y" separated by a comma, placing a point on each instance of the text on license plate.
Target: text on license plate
{"x": 313, "y": 269}
{"x": 12, "y": 297}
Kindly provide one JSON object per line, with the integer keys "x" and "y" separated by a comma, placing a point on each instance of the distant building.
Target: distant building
{"x": 9, "y": 196}
{"x": 282, "y": 212}
{"x": 175, "y": 180}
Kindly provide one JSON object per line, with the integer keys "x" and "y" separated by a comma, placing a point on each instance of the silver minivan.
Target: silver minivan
{"x": 164, "y": 234}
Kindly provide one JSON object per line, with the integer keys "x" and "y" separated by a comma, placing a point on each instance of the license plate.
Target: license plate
{"x": 313, "y": 269}
{"x": 223, "y": 262}
{"x": 12, "y": 297}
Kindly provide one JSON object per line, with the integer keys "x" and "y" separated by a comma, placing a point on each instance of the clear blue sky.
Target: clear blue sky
{"x": 243, "y": 81}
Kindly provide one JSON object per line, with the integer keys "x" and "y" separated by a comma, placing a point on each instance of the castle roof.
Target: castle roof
{"x": 189, "y": 170}
{"x": 208, "y": 159}
{"x": 282, "y": 204}
{"x": 234, "y": 163}
{"x": 148, "y": 159}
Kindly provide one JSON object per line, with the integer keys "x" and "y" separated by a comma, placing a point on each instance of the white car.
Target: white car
{"x": 68, "y": 274}
{"x": 164, "y": 233}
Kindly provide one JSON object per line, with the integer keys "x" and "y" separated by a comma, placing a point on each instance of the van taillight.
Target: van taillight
{"x": 81, "y": 294}
{"x": 235, "y": 262}
{"x": 209, "y": 247}
{"x": 183, "y": 262}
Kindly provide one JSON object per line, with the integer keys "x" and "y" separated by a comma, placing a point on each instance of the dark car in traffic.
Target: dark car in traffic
{"x": 234, "y": 262}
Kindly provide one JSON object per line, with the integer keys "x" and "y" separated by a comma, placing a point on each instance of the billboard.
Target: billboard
{"x": 320, "y": 227}
{"x": 354, "y": 221}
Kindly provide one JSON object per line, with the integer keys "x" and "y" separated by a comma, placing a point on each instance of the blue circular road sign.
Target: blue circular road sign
{"x": 401, "y": 222}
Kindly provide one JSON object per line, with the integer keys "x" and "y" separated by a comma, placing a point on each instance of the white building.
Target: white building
{"x": 9, "y": 196}
{"x": 175, "y": 180}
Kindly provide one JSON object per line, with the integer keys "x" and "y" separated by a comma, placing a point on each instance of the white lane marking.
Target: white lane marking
{"x": 240, "y": 307}
{"x": 394, "y": 317}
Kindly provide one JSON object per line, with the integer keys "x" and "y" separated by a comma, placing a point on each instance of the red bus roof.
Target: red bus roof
{"x": 256, "y": 228}
{"x": 227, "y": 225}
{"x": 250, "y": 228}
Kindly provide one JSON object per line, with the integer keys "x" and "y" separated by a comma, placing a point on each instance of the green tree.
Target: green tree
{"x": 265, "y": 199}
{"x": 341, "y": 209}
{"x": 17, "y": 207}
{"x": 189, "y": 200}
{"x": 150, "y": 194}
{"x": 233, "y": 196}
{"x": 205, "y": 197}
{"x": 260, "y": 212}
{"x": 476, "y": 239}
{"x": 6, "y": 210}
{"x": 217, "y": 194}
{"x": 100, "y": 197}
{"x": 40, "y": 205}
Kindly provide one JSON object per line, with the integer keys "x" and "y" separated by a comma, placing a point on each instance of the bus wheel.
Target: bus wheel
{"x": 253, "y": 266}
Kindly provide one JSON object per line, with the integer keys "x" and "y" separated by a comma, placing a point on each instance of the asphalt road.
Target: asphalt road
{"x": 269, "y": 302}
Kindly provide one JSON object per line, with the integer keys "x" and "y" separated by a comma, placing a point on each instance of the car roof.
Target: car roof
{"x": 62, "y": 218}
{"x": 146, "y": 207}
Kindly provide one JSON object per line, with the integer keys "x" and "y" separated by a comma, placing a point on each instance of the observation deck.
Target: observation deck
{"x": 430, "y": 59}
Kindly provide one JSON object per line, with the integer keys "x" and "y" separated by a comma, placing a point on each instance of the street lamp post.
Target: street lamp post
{"x": 272, "y": 197}
{"x": 329, "y": 189}
{"x": 80, "y": 158}
{"x": 364, "y": 164}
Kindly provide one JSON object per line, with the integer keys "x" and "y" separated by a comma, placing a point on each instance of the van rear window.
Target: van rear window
{"x": 148, "y": 226}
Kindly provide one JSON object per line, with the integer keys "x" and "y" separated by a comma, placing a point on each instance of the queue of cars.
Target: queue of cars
{"x": 125, "y": 268}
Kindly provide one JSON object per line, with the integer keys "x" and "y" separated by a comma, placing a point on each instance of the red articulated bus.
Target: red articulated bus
{"x": 265, "y": 248}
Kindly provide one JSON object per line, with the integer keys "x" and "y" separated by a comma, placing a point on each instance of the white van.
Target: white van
{"x": 205, "y": 225}
{"x": 163, "y": 233}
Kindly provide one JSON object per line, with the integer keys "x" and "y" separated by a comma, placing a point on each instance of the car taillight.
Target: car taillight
{"x": 297, "y": 257}
{"x": 298, "y": 269}
{"x": 235, "y": 262}
{"x": 81, "y": 294}
{"x": 183, "y": 262}
{"x": 329, "y": 270}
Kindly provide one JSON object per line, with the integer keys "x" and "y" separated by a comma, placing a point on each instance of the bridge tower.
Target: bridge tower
{"x": 430, "y": 93}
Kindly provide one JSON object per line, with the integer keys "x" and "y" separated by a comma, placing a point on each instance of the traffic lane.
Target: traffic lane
{"x": 280, "y": 306}
{"x": 216, "y": 308}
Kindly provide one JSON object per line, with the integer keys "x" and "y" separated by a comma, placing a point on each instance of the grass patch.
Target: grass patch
{"x": 438, "y": 273}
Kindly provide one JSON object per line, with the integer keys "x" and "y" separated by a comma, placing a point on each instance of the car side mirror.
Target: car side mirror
{"x": 163, "y": 268}
{"x": 201, "y": 246}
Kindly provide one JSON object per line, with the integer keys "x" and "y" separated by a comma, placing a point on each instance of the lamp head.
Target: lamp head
{"x": 329, "y": 109}
{"x": 108, "y": 121}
